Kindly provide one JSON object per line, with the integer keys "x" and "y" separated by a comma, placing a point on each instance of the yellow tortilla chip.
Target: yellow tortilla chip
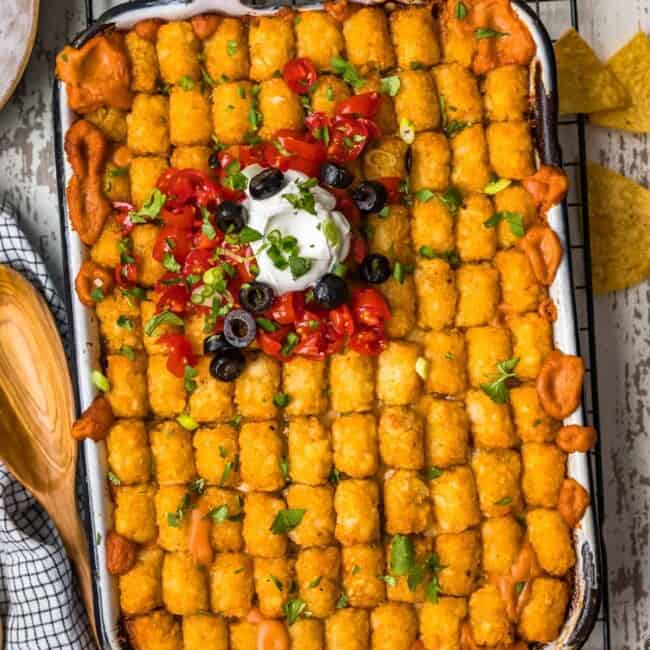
{"x": 631, "y": 65}
{"x": 619, "y": 225}
{"x": 585, "y": 84}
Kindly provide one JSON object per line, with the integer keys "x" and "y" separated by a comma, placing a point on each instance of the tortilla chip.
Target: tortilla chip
{"x": 585, "y": 84}
{"x": 631, "y": 65}
{"x": 619, "y": 224}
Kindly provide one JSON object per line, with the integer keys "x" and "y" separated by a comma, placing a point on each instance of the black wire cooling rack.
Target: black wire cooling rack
{"x": 557, "y": 16}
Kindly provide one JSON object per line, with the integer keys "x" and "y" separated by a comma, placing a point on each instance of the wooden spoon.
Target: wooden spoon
{"x": 36, "y": 414}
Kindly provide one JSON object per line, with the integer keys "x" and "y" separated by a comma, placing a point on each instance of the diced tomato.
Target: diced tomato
{"x": 173, "y": 298}
{"x": 123, "y": 216}
{"x": 349, "y": 136}
{"x": 317, "y": 120}
{"x": 369, "y": 307}
{"x": 251, "y": 155}
{"x": 296, "y": 144}
{"x": 181, "y": 218}
{"x": 126, "y": 275}
{"x": 300, "y": 75}
{"x": 198, "y": 261}
{"x": 342, "y": 321}
{"x": 308, "y": 167}
{"x": 311, "y": 346}
{"x": 180, "y": 353}
{"x": 363, "y": 105}
{"x": 392, "y": 185}
{"x": 271, "y": 342}
{"x": 358, "y": 249}
{"x": 368, "y": 341}
{"x": 287, "y": 309}
{"x": 176, "y": 241}
{"x": 184, "y": 185}
{"x": 346, "y": 205}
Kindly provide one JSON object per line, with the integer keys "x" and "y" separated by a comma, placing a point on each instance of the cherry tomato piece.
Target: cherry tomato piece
{"x": 392, "y": 185}
{"x": 126, "y": 275}
{"x": 363, "y": 105}
{"x": 342, "y": 321}
{"x": 173, "y": 298}
{"x": 300, "y": 75}
{"x": 176, "y": 241}
{"x": 181, "y": 218}
{"x": 369, "y": 307}
{"x": 368, "y": 341}
{"x": 180, "y": 353}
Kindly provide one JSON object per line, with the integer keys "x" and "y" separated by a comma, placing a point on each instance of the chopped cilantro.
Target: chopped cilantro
{"x": 497, "y": 390}
{"x": 286, "y": 520}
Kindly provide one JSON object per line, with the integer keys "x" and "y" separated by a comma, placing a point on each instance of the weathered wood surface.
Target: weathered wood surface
{"x": 27, "y": 176}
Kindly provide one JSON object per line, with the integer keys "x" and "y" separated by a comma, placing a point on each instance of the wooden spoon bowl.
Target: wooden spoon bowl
{"x": 36, "y": 415}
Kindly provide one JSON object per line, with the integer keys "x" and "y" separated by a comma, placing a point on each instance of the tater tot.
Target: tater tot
{"x": 459, "y": 94}
{"x": 144, "y": 173}
{"x": 212, "y": 399}
{"x": 390, "y": 235}
{"x": 317, "y": 525}
{"x": 475, "y": 241}
{"x": 272, "y": 584}
{"x": 357, "y": 512}
{"x": 158, "y": 630}
{"x": 151, "y": 345}
{"x": 192, "y": 158}
{"x": 459, "y": 555}
{"x": 488, "y": 618}
{"x": 416, "y": 102}
{"x": 497, "y": 473}
{"x": 310, "y": 454}
{"x": 394, "y": 626}
{"x": 455, "y": 501}
{"x": 385, "y": 157}
{"x": 307, "y": 634}
{"x": 445, "y": 351}
{"x": 318, "y": 38}
{"x": 135, "y": 517}
{"x": 261, "y": 451}
{"x": 401, "y": 438}
{"x": 501, "y": 538}
{"x": 531, "y": 422}
{"x": 178, "y": 52}
{"x": 470, "y": 169}
{"x": 128, "y": 393}
{"x": 385, "y": 118}
{"x": 352, "y": 382}
{"x": 348, "y": 629}
{"x": 520, "y": 290}
{"x": 519, "y": 201}
{"x": 105, "y": 251}
{"x": 303, "y": 380}
{"x": 231, "y": 106}
{"x": 532, "y": 341}
{"x": 543, "y": 614}
{"x": 507, "y": 93}
{"x": 364, "y": 50}
{"x": 110, "y": 121}
{"x": 486, "y": 346}
{"x": 397, "y": 380}
{"x": 216, "y": 453}
{"x": 543, "y": 473}
{"x": 194, "y": 330}
{"x": 551, "y": 539}
{"x": 399, "y": 589}
{"x": 184, "y": 585}
{"x": 119, "y": 322}
{"x": 435, "y": 284}
{"x": 231, "y": 584}
{"x": 256, "y": 387}
{"x": 490, "y": 422}
{"x": 141, "y": 586}
{"x": 189, "y": 117}
{"x": 243, "y": 635}
{"x": 280, "y": 108}
{"x": 260, "y": 511}
{"x": 144, "y": 63}
{"x": 150, "y": 270}
{"x": 406, "y": 503}
{"x": 447, "y": 433}
{"x": 415, "y": 37}
{"x": 511, "y": 149}
{"x": 432, "y": 225}
{"x": 317, "y": 573}
{"x": 148, "y": 125}
{"x": 478, "y": 294}
{"x": 327, "y": 93}
{"x": 166, "y": 390}
{"x": 362, "y": 569}
{"x": 129, "y": 455}
{"x": 401, "y": 302}
{"x": 440, "y": 623}
{"x": 271, "y": 44}
{"x": 172, "y": 531}
{"x": 226, "y": 51}
{"x": 430, "y": 162}
{"x": 171, "y": 446}
{"x": 354, "y": 438}
{"x": 205, "y": 632}
{"x": 227, "y": 534}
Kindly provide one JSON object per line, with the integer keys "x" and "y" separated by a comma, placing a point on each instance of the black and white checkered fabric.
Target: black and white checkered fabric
{"x": 40, "y": 608}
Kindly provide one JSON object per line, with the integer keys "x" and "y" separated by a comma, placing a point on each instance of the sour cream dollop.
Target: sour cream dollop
{"x": 322, "y": 238}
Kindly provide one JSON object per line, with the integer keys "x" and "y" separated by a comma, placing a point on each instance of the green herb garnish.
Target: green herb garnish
{"x": 497, "y": 390}
{"x": 286, "y": 520}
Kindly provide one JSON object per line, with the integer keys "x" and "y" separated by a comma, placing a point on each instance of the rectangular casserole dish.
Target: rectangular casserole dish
{"x": 584, "y": 605}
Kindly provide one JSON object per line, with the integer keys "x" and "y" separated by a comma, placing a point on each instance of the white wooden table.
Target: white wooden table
{"x": 27, "y": 177}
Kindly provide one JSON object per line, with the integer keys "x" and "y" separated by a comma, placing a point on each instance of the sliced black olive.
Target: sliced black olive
{"x": 213, "y": 160}
{"x": 231, "y": 217}
{"x": 239, "y": 328}
{"x": 330, "y": 291}
{"x": 335, "y": 175}
{"x": 256, "y": 297}
{"x": 375, "y": 269}
{"x": 370, "y": 196}
{"x": 214, "y": 343}
{"x": 267, "y": 183}
{"x": 227, "y": 364}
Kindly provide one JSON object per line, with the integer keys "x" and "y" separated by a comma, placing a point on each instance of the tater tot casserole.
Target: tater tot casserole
{"x": 329, "y": 394}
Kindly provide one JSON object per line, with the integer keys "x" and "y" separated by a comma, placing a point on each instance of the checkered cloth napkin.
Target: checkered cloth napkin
{"x": 40, "y": 608}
